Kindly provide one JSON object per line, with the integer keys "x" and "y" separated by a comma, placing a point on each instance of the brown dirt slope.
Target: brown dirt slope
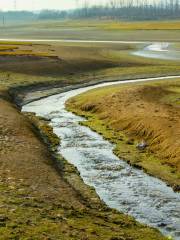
{"x": 142, "y": 112}
{"x": 36, "y": 202}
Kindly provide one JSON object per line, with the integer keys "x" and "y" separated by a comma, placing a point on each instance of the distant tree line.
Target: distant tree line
{"x": 113, "y": 9}
{"x": 53, "y": 14}
{"x": 130, "y": 10}
{"x": 11, "y": 16}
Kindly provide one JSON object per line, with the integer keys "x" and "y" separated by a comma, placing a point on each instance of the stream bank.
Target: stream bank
{"x": 42, "y": 196}
{"x": 89, "y": 152}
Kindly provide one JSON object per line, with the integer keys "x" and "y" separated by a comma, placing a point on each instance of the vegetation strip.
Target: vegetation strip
{"x": 112, "y": 116}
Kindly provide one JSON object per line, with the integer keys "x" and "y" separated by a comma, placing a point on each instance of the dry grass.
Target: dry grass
{"x": 22, "y": 49}
{"x": 76, "y": 62}
{"x": 95, "y": 29}
{"x": 40, "y": 202}
{"x": 149, "y": 25}
{"x": 7, "y": 48}
{"x": 24, "y": 53}
{"x": 149, "y": 112}
{"x": 15, "y": 43}
{"x": 110, "y": 25}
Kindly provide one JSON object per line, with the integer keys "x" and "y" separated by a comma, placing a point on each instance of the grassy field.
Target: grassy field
{"x": 129, "y": 114}
{"x": 106, "y": 24}
{"x": 149, "y": 25}
{"x": 95, "y": 30}
{"x": 75, "y": 63}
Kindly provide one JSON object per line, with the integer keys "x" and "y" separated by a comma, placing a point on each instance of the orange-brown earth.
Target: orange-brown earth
{"x": 142, "y": 112}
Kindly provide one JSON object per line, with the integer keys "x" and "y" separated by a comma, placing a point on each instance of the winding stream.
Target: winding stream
{"x": 119, "y": 185}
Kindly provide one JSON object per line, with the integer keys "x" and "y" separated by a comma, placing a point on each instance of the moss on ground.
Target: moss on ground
{"x": 45, "y": 130}
{"x": 26, "y": 213}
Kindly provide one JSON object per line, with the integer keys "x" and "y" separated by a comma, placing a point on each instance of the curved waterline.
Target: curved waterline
{"x": 121, "y": 186}
{"x": 159, "y": 51}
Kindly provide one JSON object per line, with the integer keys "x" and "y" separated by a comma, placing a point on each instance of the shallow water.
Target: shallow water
{"x": 158, "y": 50}
{"x": 119, "y": 185}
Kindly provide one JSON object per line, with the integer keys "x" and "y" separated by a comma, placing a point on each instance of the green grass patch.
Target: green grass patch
{"x": 15, "y": 43}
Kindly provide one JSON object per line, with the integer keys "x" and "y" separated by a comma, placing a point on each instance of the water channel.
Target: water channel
{"x": 118, "y": 184}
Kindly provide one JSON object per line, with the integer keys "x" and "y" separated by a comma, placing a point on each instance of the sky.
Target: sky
{"x": 42, "y": 4}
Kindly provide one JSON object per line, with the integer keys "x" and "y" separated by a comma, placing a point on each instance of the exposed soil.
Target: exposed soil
{"x": 36, "y": 200}
{"x": 24, "y": 156}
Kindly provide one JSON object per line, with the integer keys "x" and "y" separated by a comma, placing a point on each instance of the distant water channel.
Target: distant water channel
{"x": 158, "y": 50}
{"x": 119, "y": 185}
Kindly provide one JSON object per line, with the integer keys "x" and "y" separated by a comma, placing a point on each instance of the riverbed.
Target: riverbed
{"x": 118, "y": 184}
